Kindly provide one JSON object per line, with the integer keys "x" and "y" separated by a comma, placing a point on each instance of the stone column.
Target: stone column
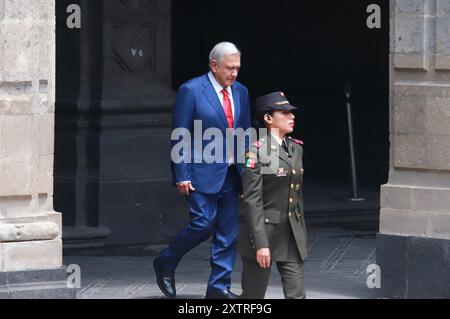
{"x": 30, "y": 230}
{"x": 414, "y": 241}
{"x": 77, "y": 113}
{"x": 113, "y": 124}
{"x": 136, "y": 198}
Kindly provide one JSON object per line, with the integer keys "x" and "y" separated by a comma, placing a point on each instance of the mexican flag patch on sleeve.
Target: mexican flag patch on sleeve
{"x": 250, "y": 160}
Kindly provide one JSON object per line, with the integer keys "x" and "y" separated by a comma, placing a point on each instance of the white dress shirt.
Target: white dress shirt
{"x": 218, "y": 88}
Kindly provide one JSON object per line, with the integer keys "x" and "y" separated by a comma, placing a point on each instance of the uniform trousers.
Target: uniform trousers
{"x": 255, "y": 279}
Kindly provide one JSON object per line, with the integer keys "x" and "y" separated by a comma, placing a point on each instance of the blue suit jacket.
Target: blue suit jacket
{"x": 197, "y": 100}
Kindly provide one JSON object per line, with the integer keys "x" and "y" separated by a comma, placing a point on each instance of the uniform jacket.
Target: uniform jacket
{"x": 271, "y": 210}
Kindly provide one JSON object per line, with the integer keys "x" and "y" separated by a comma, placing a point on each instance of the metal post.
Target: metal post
{"x": 355, "y": 196}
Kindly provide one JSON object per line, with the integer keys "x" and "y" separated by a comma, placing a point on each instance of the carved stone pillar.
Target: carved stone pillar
{"x": 30, "y": 230}
{"x": 414, "y": 239}
{"x": 113, "y": 124}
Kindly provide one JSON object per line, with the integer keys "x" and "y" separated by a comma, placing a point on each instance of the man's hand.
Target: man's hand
{"x": 185, "y": 187}
{"x": 263, "y": 257}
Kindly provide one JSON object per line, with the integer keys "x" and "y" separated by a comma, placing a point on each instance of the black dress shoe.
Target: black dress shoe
{"x": 166, "y": 281}
{"x": 220, "y": 294}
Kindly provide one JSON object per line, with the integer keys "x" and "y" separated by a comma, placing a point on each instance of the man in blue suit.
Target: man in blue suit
{"x": 212, "y": 189}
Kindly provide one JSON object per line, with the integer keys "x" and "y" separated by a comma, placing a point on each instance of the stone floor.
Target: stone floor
{"x": 336, "y": 269}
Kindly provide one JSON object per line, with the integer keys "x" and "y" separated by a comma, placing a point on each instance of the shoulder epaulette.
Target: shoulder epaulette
{"x": 300, "y": 142}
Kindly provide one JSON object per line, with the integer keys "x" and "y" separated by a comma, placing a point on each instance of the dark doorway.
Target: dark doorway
{"x": 308, "y": 49}
{"x": 114, "y": 97}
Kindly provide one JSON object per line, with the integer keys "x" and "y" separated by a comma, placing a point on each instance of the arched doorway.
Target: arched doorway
{"x": 116, "y": 75}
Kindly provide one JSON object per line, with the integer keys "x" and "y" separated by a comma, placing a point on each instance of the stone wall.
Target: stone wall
{"x": 416, "y": 201}
{"x": 413, "y": 243}
{"x": 30, "y": 230}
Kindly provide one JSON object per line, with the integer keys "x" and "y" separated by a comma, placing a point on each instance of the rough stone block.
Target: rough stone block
{"x": 409, "y": 115}
{"x": 17, "y": 135}
{"x": 409, "y": 34}
{"x": 438, "y": 115}
{"x": 16, "y": 88}
{"x": 45, "y": 47}
{"x": 44, "y": 89}
{"x": 18, "y": 36}
{"x": 2, "y": 140}
{"x": 428, "y": 89}
{"x": 419, "y": 178}
{"x": 28, "y": 232}
{"x": 443, "y": 27}
{"x": 31, "y": 255}
{"x": 431, "y": 200}
{"x": 421, "y": 115}
{"x": 15, "y": 174}
{"x": 397, "y": 197}
{"x": 421, "y": 151}
{"x": 440, "y": 225}
{"x": 2, "y": 12}
{"x": 15, "y": 105}
{"x": 46, "y": 9}
{"x": 442, "y": 8}
{"x": 1, "y": 65}
{"x": 28, "y": 216}
{"x": 412, "y": 7}
{"x": 45, "y": 202}
{"x": 411, "y": 61}
{"x": 13, "y": 205}
{"x": 442, "y": 62}
{"x": 19, "y": 9}
{"x": 45, "y": 123}
{"x": 43, "y": 180}
{"x": 398, "y": 222}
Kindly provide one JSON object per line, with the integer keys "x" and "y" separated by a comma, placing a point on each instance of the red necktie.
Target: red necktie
{"x": 227, "y": 108}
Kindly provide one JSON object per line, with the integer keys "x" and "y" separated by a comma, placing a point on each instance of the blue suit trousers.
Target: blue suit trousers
{"x": 213, "y": 215}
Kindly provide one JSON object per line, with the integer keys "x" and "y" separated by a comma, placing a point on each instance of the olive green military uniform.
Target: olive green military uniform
{"x": 271, "y": 216}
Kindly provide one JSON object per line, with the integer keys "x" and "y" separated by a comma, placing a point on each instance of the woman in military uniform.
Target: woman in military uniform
{"x": 272, "y": 225}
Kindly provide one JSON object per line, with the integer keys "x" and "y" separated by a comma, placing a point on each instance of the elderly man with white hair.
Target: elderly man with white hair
{"x": 212, "y": 189}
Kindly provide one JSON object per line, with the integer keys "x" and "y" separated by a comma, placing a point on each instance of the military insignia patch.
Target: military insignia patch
{"x": 281, "y": 172}
{"x": 300, "y": 142}
{"x": 257, "y": 144}
{"x": 251, "y": 155}
{"x": 250, "y": 159}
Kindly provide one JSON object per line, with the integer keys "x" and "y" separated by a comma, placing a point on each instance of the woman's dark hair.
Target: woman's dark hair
{"x": 261, "y": 121}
